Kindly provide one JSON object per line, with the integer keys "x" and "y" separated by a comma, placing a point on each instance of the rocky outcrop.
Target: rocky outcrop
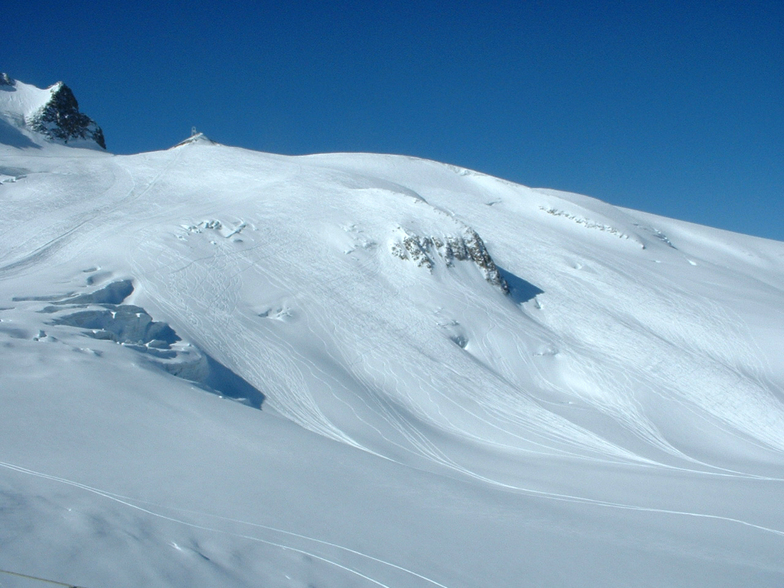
{"x": 467, "y": 246}
{"x": 60, "y": 118}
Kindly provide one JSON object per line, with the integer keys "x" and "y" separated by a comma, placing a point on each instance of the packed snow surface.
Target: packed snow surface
{"x": 221, "y": 367}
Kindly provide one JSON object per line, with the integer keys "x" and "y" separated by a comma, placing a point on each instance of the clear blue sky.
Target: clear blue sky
{"x": 675, "y": 108}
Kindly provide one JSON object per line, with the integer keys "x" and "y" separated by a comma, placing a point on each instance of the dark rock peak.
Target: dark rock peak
{"x": 60, "y": 118}
{"x": 6, "y": 80}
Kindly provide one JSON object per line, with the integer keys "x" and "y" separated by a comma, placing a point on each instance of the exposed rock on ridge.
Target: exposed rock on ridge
{"x": 465, "y": 247}
{"x": 60, "y": 118}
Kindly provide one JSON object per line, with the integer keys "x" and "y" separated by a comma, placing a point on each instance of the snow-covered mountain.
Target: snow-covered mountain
{"x": 221, "y": 367}
{"x": 31, "y": 116}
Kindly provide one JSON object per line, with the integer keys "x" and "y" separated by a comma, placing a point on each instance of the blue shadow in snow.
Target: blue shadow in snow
{"x": 520, "y": 290}
{"x": 13, "y": 137}
{"x": 226, "y": 383}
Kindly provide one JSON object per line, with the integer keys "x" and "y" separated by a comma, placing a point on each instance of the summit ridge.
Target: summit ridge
{"x": 51, "y": 114}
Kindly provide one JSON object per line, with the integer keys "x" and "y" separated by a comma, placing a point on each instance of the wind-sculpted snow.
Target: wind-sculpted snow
{"x": 587, "y": 396}
{"x": 125, "y": 323}
{"x": 101, "y": 315}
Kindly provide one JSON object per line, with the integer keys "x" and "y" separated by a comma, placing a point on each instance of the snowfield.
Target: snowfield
{"x": 220, "y": 367}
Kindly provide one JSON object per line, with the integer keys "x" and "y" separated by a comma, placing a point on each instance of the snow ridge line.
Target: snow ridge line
{"x": 8, "y": 270}
{"x": 124, "y": 501}
{"x": 55, "y": 582}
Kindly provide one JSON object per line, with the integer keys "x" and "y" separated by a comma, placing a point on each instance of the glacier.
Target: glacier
{"x": 234, "y": 368}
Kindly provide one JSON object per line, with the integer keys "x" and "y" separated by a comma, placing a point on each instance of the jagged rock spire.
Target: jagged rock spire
{"x": 60, "y": 118}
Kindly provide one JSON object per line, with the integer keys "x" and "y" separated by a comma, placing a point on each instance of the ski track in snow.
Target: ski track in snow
{"x": 218, "y": 279}
{"x": 102, "y": 212}
{"x": 425, "y": 368}
{"x": 129, "y": 502}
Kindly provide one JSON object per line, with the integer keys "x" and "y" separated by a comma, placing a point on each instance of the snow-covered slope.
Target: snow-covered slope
{"x": 461, "y": 381}
{"x": 32, "y": 117}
